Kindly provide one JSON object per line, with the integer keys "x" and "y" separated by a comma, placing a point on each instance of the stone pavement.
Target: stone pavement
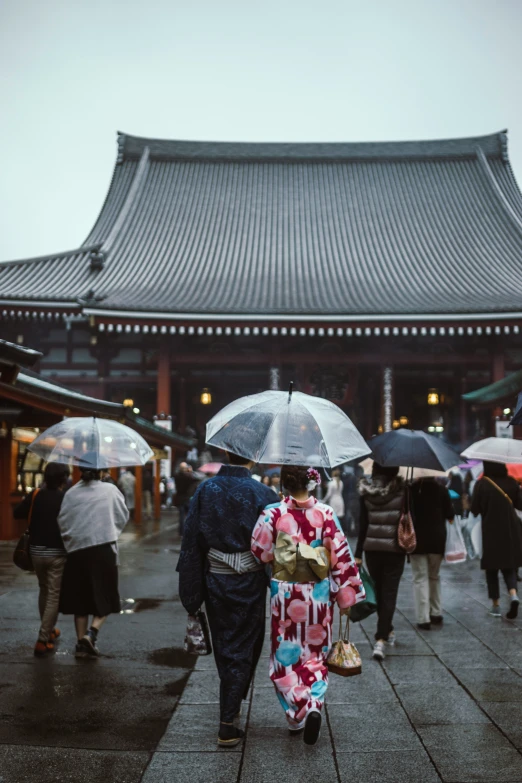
{"x": 446, "y": 705}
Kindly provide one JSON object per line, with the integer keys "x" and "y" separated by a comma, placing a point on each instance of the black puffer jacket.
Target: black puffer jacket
{"x": 381, "y": 506}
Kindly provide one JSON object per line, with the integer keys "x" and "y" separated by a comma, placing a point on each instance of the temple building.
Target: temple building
{"x": 383, "y": 276}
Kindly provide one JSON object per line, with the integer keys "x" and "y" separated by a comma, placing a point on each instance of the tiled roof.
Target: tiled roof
{"x": 399, "y": 228}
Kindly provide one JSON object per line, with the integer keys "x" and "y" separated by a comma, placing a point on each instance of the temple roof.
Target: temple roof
{"x": 239, "y": 229}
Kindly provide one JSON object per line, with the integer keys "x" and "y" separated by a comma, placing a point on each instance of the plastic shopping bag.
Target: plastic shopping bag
{"x": 455, "y": 546}
{"x": 476, "y": 536}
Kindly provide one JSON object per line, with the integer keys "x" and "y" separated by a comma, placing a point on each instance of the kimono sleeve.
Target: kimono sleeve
{"x": 264, "y": 535}
{"x": 192, "y": 558}
{"x": 346, "y": 583}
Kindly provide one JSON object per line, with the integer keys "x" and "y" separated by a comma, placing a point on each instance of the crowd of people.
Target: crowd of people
{"x": 237, "y": 529}
{"x": 292, "y": 525}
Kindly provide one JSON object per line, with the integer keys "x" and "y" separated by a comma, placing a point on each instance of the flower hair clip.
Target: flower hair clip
{"x": 314, "y": 479}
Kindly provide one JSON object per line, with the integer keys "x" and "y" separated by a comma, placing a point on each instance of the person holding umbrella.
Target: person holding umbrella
{"x": 431, "y": 507}
{"x": 495, "y": 498}
{"x": 92, "y": 517}
{"x": 312, "y": 569}
{"x": 382, "y": 500}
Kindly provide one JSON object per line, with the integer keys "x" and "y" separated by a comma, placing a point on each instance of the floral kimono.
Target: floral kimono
{"x": 312, "y": 566}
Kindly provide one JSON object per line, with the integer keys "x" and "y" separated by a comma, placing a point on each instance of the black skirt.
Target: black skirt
{"x": 90, "y": 582}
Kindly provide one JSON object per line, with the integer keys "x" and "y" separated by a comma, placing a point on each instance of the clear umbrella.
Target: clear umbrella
{"x": 506, "y": 450}
{"x": 92, "y": 443}
{"x": 282, "y": 428}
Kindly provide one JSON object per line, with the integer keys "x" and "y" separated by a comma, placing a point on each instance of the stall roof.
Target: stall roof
{"x": 496, "y": 392}
{"x": 30, "y": 388}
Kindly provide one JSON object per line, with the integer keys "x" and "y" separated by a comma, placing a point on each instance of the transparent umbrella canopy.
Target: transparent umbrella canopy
{"x": 92, "y": 443}
{"x": 283, "y": 428}
{"x": 508, "y": 450}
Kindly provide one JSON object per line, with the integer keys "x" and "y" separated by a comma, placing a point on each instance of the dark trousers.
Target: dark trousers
{"x": 510, "y": 578}
{"x": 236, "y": 615}
{"x": 386, "y": 570}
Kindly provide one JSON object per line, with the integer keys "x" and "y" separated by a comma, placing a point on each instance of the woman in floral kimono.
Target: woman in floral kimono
{"x": 312, "y": 567}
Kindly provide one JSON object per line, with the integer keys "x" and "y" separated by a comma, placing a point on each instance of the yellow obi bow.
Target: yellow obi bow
{"x": 299, "y": 562}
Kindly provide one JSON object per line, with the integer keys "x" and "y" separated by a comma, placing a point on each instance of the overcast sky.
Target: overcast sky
{"x": 76, "y": 71}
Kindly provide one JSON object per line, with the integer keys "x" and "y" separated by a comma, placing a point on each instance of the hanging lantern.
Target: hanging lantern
{"x": 433, "y": 397}
{"x": 206, "y": 397}
{"x": 403, "y": 421}
{"x": 395, "y": 424}
{"x": 128, "y": 403}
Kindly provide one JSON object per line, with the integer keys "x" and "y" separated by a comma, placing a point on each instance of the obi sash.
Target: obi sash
{"x": 299, "y": 562}
{"x": 232, "y": 562}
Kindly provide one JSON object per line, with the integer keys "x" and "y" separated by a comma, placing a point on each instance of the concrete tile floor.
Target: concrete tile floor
{"x": 446, "y": 705}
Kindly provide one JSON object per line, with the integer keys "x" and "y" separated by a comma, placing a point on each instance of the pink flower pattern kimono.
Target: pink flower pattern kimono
{"x": 302, "y": 612}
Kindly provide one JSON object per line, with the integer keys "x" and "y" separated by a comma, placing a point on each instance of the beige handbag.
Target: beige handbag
{"x": 344, "y": 658}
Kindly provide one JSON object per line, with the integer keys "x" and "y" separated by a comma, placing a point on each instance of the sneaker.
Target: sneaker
{"x": 229, "y": 736}
{"x": 390, "y": 641}
{"x": 513, "y": 610}
{"x": 43, "y": 649}
{"x": 424, "y": 626}
{"x": 312, "y": 727}
{"x": 378, "y": 651}
{"x": 495, "y": 611}
{"x": 86, "y": 648}
{"x": 436, "y": 619}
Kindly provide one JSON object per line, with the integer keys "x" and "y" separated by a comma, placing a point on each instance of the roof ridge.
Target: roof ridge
{"x": 497, "y": 190}
{"x": 131, "y": 148}
{"x": 52, "y": 256}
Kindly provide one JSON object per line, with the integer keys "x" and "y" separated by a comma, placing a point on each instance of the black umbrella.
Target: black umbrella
{"x": 517, "y": 416}
{"x": 413, "y": 449}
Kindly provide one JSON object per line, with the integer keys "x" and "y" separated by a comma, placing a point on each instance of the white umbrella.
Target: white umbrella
{"x": 282, "y": 428}
{"x": 506, "y": 450}
{"x": 92, "y": 443}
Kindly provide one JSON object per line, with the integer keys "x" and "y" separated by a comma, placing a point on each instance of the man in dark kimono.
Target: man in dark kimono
{"x": 216, "y": 567}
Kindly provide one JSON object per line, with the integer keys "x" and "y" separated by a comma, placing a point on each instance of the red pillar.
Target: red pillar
{"x": 114, "y": 474}
{"x": 163, "y": 387}
{"x": 75, "y": 474}
{"x": 498, "y": 370}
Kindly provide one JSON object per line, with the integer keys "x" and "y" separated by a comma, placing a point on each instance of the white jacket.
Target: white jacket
{"x": 91, "y": 514}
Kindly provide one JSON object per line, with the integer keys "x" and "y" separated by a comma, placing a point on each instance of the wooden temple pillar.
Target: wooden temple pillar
{"x": 163, "y": 385}
{"x": 7, "y": 485}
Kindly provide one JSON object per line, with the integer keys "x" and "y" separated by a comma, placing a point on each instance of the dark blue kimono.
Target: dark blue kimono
{"x": 222, "y": 515}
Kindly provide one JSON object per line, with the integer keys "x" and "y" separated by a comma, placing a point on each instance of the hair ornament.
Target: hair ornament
{"x": 314, "y": 479}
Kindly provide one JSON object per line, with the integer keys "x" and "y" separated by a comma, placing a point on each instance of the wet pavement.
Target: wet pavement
{"x": 446, "y": 705}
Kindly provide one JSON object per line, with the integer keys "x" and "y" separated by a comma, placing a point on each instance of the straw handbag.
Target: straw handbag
{"x": 344, "y": 658}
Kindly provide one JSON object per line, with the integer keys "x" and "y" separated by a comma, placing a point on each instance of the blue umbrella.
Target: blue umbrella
{"x": 413, "y": 449}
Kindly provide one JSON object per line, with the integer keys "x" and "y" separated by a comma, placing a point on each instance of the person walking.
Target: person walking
{"x": 334, "y": 496}
{"x": 495, "y": 498}
{"x": 91, "y": 519}
{"x": 431, "y": 506}
{"x": 41, "y": 508}
{"x": 127, "y": 485}
{"x": 312, "y": 568}
{"x": 381, "y": 503}
{"x": 216, "y": 567}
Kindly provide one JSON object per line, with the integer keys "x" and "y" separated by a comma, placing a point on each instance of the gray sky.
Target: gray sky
{"x": 76, "y": 71}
